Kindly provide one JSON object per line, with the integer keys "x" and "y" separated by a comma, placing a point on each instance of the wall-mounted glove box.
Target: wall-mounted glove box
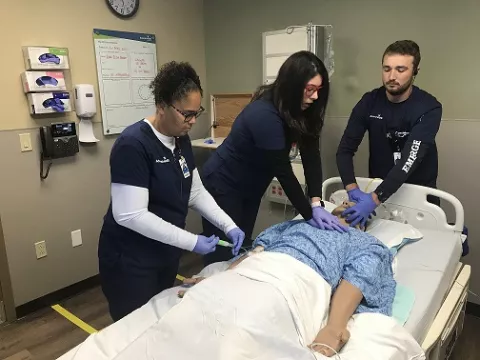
{"x": 43, "y": 81}
{"x": 45, "y": 58}
{"x": 49, "y": 103}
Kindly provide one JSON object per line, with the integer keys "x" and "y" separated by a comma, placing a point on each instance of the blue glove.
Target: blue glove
{"x": 322, "y": 219}
{"x": 361, "y": 211}
{"x": 236, "y": 236}
{"x": 205, "y": 244}
{"x": 355, "y": 195}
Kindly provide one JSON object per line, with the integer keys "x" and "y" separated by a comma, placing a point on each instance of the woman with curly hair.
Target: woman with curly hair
{"x": 153, "y": 183}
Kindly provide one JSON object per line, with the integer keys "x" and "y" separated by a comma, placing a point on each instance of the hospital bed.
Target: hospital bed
{"x": 430, "y": 267}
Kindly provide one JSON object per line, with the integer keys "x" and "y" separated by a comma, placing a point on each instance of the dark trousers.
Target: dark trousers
{"x": 128, "y": 287}
{"x": 243, "y": 212}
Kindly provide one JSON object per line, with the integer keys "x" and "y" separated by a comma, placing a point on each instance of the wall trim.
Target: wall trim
{"x": 57, "y": 296}
{"x": 188, "y": 261}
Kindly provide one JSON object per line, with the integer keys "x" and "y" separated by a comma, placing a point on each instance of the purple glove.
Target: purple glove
{"x": 236, "y": 236}
{"x": 361, "y": 211}
{"x": 205, "y": 245}
{"x": 324, "y": 220}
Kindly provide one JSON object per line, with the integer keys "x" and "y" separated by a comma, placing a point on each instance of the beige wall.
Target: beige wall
{"x": 76, "y": 193}
{"x": 447, "y": 34}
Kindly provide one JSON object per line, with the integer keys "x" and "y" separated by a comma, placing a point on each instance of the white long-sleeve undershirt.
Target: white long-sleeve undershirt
{"x": 130, "y": 209}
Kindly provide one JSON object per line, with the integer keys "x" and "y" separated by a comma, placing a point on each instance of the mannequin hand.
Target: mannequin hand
{"x": 236, "y": 236}
{"x": 361, "y": 211}
{"x": 189, "y": 282}
{"x": 324, "y": 220}
{"x": 205, "y": 245}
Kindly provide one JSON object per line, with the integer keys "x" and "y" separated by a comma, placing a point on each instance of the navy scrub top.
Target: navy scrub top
{"x": 401, "y": 140}
{"x": 239, "y": 164}
{"x": 139, "y": 158}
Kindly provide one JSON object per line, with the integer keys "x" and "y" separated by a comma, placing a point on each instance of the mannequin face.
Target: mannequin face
{"x": 338, "y": 211}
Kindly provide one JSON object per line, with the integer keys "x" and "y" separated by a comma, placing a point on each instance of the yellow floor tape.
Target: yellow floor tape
{"x": 82, "y": 324}
{"x": 72, "y": 318}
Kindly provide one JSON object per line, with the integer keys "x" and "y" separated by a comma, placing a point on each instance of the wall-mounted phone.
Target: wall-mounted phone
{"x": 58, "y": 140}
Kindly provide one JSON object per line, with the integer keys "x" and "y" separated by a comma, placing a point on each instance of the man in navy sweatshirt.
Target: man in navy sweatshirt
{"x": 402, "y": 122}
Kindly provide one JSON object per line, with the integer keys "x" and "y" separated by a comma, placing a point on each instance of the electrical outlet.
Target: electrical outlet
{"x": 41, "y": 249}
{"x": 76, "y": 238}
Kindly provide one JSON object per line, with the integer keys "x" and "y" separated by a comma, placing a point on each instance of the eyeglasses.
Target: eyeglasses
{"x": 189, "y": 115}
{"x": 311, "y": 89}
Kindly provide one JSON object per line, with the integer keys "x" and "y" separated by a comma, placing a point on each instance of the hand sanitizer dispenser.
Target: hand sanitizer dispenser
{"x": 86, "y": 109}
{"x": 85, "y": 101}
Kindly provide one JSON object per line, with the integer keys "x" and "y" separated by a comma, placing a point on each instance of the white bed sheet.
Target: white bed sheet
{"x": 205, "y": 313}
{"x": 428, "y": 268}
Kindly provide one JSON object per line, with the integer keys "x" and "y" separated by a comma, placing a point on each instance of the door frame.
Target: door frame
{"x": 6, "y": 291}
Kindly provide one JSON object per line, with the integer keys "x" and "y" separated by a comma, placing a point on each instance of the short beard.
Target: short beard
{"x": 400, "y": 90}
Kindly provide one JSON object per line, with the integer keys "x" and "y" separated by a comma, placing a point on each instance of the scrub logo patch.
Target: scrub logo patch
{"x": 412, "y": 156}
{"x": 379, "y": 116}
{"x": 163, "y": 161}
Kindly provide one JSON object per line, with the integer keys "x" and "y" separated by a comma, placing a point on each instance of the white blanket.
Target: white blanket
{"x": 269, "y": 307}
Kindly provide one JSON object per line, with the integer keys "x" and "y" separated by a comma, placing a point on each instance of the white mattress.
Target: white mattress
{"x": 428, "y": 268}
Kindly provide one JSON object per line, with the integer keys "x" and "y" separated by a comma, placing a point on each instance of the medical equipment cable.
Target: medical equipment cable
{"x": 469, "y": 291}
{"x": 370, "y": 183}
{"x": 337, "y": 354}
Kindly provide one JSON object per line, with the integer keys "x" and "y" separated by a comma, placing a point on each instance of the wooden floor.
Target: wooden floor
{"x": 47, "y": 335}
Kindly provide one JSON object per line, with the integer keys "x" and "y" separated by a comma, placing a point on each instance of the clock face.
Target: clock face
{"x": 123, "y": 8}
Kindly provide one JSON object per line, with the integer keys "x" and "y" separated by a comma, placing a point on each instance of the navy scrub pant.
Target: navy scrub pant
{"x": 242, "y": 210}
{"x": 128, "y": 287}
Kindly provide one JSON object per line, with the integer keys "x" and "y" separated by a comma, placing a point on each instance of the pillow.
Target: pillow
{"x": 393, "y": 234}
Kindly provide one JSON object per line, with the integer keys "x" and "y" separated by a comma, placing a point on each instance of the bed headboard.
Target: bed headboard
{"x": 409, "y": 204}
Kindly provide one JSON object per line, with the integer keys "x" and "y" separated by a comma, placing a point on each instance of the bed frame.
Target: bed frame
{"x": 409, "y": 205}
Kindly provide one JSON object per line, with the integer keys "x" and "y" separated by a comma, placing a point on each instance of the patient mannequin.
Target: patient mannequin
{"x": 367, "y": 262}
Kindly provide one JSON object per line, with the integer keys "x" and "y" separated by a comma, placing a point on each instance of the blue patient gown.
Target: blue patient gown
{"x": 355, "y": 256}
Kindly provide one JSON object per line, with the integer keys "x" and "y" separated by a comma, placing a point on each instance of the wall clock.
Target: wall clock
{"x": 123, "y": 8}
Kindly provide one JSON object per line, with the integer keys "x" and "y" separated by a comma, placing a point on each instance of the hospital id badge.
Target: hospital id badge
{"x": 184, "y": 167}
{"x": 396, "y": 156}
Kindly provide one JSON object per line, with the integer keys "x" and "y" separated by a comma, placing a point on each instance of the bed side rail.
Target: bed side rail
{"x": 409, "y": 204}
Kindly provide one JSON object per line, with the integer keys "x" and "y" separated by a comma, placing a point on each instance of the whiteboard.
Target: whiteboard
{"x": 279, "y": 45}
{"x": 126, "y": 65}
